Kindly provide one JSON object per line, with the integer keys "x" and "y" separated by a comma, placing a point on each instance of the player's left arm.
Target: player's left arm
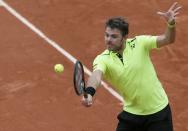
{"x": 169, "y": 35}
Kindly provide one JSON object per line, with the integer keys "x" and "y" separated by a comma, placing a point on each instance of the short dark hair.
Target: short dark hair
{"x": 119, "y": 23}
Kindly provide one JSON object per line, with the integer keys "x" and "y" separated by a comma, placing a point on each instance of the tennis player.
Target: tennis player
{"x": 126, "y": 64}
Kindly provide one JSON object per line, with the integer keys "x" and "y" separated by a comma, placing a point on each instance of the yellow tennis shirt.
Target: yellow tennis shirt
{"x": 135, "y": 78}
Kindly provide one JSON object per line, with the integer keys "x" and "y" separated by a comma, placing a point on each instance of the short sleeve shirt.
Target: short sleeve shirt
{"x": 134, "y": 78}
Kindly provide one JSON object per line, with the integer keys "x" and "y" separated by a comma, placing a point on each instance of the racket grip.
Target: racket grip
{"x": 85, "y": 95}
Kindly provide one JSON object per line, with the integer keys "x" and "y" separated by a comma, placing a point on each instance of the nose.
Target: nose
{"x": 108, "y": 39}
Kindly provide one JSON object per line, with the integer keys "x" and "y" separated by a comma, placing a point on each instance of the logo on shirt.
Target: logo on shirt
{"x": 132, "y": 43}
{"x": 94, "y": 66}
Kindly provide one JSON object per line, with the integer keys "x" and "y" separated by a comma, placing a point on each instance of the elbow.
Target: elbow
{"x": 98, "y": 79}
{"x": 172, "y": 41}
{"x": 169, "y": 40}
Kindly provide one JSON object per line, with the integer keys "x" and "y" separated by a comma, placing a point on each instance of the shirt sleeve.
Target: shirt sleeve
{"x": 149, "y": 42}
{"x": 98, "y": 64}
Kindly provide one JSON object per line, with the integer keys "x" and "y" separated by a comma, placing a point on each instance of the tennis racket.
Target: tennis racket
{"x": 78, "y": 79}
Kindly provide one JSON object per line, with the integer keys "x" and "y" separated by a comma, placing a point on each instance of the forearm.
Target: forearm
{"x": 93, "y": 82}
{"x": 168, "y": 37}
{"x": 95, "y": 79}
{"x": 170, "y": 32}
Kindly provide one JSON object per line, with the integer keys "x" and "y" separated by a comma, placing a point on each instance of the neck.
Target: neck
{"x": 120, "y": 51}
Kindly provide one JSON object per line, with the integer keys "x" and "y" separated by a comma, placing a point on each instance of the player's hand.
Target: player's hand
{"x": 171, "y": 14}
{"x": 87, "y": 101}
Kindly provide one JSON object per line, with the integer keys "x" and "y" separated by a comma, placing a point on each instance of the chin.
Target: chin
{"x": 110, "y": 49}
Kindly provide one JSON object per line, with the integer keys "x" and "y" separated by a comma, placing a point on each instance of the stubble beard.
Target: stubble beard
{"x": 116, "y": 48}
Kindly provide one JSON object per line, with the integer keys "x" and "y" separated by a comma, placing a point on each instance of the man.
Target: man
{"x": 127, "y": 66}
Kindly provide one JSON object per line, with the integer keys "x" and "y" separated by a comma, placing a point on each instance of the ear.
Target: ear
{"x": 125, "y": 37}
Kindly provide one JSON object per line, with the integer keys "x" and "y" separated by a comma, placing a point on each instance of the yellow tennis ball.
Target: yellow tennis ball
{"x": 58, "y": 68}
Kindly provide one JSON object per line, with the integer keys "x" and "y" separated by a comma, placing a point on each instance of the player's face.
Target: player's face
{"x": 113, "y": 39}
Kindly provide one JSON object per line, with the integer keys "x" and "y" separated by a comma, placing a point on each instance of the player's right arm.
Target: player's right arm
{"x": 94, "y": 81}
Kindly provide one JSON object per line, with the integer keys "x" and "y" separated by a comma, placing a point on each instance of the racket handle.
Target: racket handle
{"x": 85, "y": 95}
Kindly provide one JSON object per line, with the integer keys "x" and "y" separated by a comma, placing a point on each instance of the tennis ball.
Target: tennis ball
{"x": 58, "y": 68}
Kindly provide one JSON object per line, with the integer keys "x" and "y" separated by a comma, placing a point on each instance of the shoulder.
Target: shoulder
{"x": 103, "y": 55}
{"x": 141, "y": 39}
{"x": 101, "y": 58}
{"x": 131, "y": 41}
{"x": 146, "y": 41}
{"x": 146, "y": 38}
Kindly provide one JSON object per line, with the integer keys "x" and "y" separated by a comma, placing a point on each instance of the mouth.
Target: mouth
{"x": 109, "y": 43}
{"x": 110, "y": 46}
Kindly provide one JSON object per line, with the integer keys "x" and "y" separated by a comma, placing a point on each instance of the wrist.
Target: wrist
{"x": 171, "y": 24}
{"x": 90, "y": 90}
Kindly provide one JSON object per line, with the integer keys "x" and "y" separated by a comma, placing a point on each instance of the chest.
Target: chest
{"x": 133, "y": 59}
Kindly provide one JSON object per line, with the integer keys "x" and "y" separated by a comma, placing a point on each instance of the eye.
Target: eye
{"x": 114, "y": 36}
{"x": 106, "y": 35}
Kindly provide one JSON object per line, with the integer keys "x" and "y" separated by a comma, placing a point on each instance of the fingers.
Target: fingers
{"x": 176, "y": 14}
{"x": 177, "y": 9}
{"x": 174, "y": 8}
{"x": 87, "y": 101}
{"x": 173, "y": 5}
{"x": 171, "y": 14}
{"x": 160, "y": 13}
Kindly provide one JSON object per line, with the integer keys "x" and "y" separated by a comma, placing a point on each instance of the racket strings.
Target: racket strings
{"x": 79, "y": 80}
